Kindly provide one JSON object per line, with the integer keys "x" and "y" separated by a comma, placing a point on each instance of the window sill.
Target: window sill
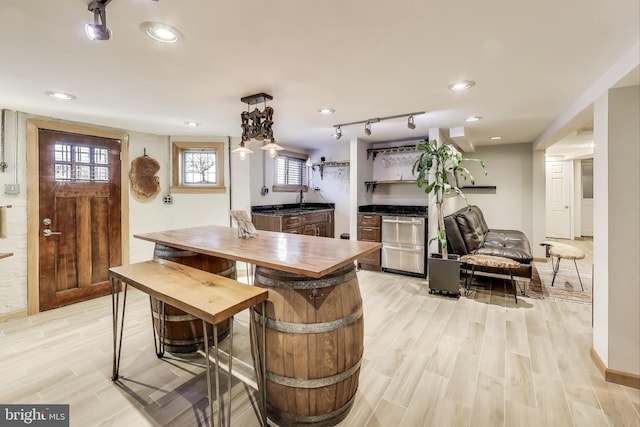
{"x": 289, "y": 188}
{"x": 198, "y": 189}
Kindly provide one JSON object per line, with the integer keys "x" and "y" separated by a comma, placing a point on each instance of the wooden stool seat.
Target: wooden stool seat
{"x": 490, "y": 261}
{"x": 566, "y": 251}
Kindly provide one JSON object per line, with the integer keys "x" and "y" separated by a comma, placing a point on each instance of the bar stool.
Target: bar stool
{"x": 563, "y": 251}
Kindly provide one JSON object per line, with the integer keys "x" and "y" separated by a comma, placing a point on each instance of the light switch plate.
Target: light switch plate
{"x": 12, "y": 188}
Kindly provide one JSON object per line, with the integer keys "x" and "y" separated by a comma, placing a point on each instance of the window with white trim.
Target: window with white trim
{"x": 290, "y": 172}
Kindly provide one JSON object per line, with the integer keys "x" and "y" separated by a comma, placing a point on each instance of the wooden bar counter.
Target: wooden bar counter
{"x": 306, "y": 255}
{"x": 314, "y": 337}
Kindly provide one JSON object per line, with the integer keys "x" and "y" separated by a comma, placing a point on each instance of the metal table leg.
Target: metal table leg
{"x": 513, "y": 286}
{"x": 229, "y": 374}
{"x": 208, "y": 365}
{"x": 117, "y": 341}
{"x": 555, "y": 270}
{"x": 158, "y": 338}
{"x": 217, "y": 352}
{"x": 468, "y": 286}
{"x": 577, "y": 271}
{"x": 260, "y": 364}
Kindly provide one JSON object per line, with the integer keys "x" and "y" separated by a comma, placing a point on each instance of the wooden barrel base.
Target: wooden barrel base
{"x": 183, "y": 332}
{"x": 314, "y": 345}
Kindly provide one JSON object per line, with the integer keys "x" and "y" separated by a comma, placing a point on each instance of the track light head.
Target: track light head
{"x": 410, "y": 123}
{"x": 338, "y": 133}
{"x": 367, "y": 128}
{"x": 98, "y": 30}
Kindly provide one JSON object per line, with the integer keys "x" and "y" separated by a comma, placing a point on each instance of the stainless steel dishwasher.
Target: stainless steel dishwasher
{"x": 403, "y": 245}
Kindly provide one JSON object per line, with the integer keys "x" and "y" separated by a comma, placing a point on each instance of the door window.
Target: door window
{"x": 80, "y": 163}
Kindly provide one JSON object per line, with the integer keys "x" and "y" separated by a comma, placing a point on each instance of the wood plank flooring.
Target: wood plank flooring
{"x": 429, "y": 360}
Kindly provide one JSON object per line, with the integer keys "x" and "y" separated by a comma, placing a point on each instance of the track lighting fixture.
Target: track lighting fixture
{"x": 98, "y": 30}
{"x": 367, "y": 123}
{"x": 410, "y": 123}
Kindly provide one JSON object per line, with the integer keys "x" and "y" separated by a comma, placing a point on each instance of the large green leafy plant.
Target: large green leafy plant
{"x": 443, "y": 163}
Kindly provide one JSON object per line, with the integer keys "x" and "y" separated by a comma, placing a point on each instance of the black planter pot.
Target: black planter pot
{"x": 444, "y": 274}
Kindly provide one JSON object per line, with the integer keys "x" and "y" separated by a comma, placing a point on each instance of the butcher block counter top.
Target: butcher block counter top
{"x": 300, "y": 254}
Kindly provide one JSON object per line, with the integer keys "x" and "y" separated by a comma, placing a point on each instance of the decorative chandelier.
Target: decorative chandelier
{"x": 257, "y": 124}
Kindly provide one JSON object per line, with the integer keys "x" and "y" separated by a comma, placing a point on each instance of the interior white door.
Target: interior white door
{"x": 559, "y": 178}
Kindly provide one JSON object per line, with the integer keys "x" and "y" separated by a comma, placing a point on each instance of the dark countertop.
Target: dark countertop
{"x": 395, "y": 210}
{"x": 292, "y": 209}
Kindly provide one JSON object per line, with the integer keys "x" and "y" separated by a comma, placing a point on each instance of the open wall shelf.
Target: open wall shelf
{"x": 373, "y": 152}
{"x": 371, "y": 185}
{"x": 322, "y": 165}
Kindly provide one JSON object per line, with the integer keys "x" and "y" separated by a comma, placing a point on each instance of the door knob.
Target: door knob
{"x": 48, "y": 232}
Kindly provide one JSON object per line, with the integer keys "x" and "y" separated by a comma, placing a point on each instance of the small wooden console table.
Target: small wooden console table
{"x": 204, "y": 295}
{"x": 490, "y": 261}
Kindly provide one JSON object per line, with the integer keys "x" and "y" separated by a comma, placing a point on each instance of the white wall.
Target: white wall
{"x": 510, "y": 169}
{"x": 256, "y": 162}
{"x": 241, "y": 175}
{"x": 13, "y": 280}
{"x": 601, "y": 228}
{"x": 538, "y": 208}
{"x": 616, "y": 336}
{"x": 334, "y": 186}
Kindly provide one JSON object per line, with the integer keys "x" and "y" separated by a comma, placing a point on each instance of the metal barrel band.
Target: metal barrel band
{"x": 313, "y": 382}
{"x": 285, "y": 281}
{"x": 285, "y": 419}
{"x": 225, "y": 273}
{"x": 308, "y": 328}
{"x": 175, "y": 317}
{"x": 167, "y": 252}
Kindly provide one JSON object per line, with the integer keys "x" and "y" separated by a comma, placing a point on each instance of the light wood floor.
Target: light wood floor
{"x": 480, "y": 360}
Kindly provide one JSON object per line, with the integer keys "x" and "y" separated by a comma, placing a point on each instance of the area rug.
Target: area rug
{"x": 566, "y": 286}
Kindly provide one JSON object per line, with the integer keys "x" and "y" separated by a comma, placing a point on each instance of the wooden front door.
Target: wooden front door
{"x": 80, "y": 216}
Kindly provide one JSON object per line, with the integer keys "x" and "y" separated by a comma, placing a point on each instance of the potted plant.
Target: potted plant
{"x": 438, "y": 169}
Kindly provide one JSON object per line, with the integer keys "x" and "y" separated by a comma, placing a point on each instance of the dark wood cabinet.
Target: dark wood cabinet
{"x": 369, "y": 231}
{"x": 319, "y": 224}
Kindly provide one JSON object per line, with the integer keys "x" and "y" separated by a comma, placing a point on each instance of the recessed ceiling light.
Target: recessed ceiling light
{"x": 462, "y": 85}
{"x": 472, "y": 119}
{"x": 161, "y": 32}
{"x": 60, "y": 95}
{"x": 496, "y": 138}
{"x": 326, "y": 111}
{"x": 192, "y": 124}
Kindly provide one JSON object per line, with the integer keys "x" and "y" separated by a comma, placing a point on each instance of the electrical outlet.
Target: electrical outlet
{"x": 12, "y": 188}
{"x": 168, "y": 199}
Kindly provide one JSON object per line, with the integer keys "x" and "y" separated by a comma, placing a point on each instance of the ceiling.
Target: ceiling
{"x": 365, "y": 59}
